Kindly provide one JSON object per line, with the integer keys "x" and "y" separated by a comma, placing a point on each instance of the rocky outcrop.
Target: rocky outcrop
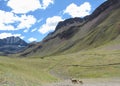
{"x": 68, "y": 22}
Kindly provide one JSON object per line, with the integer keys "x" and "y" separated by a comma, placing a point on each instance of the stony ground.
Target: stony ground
{"x": 89, "y": 82}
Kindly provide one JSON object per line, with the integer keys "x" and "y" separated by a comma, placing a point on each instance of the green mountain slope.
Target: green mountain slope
{"x": 103, "y": 33}
{"x": 92, "y": 31}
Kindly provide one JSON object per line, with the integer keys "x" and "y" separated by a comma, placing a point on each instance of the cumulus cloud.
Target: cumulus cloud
{"x": 11, "y": 21}
{"x": 78, "y": 11}
{"x": 46, "y": 3}
{"x": 6, "y": 27}
{"x": 7, "y": 19}
{"x": 26, "y": 21}
{"x": 4, "y": 35}
{"x": 32, "y": 39}
{"x": 25, "y": 6}
{"x": 50, "y": 24}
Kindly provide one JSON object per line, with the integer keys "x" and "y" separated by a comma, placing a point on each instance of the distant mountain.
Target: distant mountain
{"x": 75, "y": 34}
{"x": 12, "y": 45}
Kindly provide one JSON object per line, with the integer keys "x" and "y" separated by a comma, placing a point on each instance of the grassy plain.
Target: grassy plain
{"x": 95, "y": 63}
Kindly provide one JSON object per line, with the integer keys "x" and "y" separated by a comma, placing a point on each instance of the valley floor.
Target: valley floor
{"x": 97, "y": 67}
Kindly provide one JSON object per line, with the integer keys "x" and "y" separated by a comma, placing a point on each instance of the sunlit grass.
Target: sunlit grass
{"x": 36, "y": 71}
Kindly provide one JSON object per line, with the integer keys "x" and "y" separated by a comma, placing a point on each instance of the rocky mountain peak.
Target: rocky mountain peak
{"x": 11, "y": 45}
{"x": 12, "y": 41}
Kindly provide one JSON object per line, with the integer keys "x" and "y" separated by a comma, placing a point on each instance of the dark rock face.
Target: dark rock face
{"x": 68, "y": 22}
{"x": 68, "y": 33}
{"x": 12, "y": 45}
{"x": 102, "y": 8}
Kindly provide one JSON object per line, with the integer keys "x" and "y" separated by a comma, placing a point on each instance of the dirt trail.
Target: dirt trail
{"x": 89, "y": 82}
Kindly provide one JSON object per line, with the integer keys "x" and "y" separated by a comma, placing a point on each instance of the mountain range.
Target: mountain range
{"x": 73, "y": 35}
{"x": 76, "y": 34}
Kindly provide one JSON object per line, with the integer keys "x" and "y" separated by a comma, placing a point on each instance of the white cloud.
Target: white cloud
{"x": 50, "y": 24}
{"x": 6, "y": 27}
{"x": 46, "y": 3}
{"x": 4, "y": 35}
{"x": 33, "y": 30}
{"x": 26, "y": 21}
{"x": 7, "y": 19}
{"x": 78, "y": 11}
{"x": 24, "y": 6}
{"x": 32, "y": 39}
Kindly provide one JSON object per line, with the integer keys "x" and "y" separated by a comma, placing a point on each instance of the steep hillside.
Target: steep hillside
{"x": 76, "y": 34}
{"x": 11, "y": 45}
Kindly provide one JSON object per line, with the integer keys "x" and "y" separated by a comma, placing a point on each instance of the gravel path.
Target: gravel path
{"x": 88, "y": 82}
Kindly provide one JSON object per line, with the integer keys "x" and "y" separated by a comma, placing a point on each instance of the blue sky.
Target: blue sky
{"x": 32, "y": 20}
